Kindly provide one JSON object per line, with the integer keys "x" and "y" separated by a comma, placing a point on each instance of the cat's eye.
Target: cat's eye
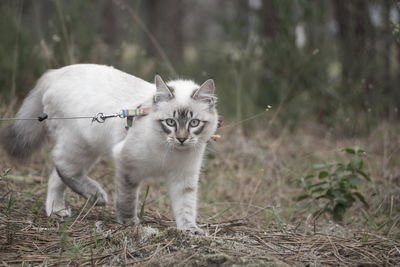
{"x": 194, "y": 123}
{"x": 170, "y": 122}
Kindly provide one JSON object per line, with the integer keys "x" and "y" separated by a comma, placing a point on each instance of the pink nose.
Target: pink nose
{"x": 181, "y": 139}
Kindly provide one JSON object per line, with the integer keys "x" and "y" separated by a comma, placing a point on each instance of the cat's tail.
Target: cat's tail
{"x": 23, "y": 137}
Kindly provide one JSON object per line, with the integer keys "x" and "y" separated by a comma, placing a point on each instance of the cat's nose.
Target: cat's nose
{"x": 181, "y": 139}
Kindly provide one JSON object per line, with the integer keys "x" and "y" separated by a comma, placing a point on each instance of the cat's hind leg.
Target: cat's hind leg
{"x": 72, "y": 162}
{"x": 55, "y": 203}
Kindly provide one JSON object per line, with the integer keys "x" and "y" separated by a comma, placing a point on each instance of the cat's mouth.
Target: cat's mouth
{"x": 181, "y": 146}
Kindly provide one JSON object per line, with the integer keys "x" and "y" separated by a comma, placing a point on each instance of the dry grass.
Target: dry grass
{"x": 245, "y": 179}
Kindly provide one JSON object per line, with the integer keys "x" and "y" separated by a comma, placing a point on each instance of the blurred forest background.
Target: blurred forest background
{"x": 335, "y": 62}
{"x": 329, "y": 69}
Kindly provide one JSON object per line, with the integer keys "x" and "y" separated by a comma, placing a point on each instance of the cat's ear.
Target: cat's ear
{"x": 163, "y": 93}
{"x": 205, "y": 92}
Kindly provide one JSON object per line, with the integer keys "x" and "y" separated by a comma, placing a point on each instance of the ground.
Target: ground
{"x": 247, "y": 203}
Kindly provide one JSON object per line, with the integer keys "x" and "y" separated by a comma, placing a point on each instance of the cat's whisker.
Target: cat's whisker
{"x": 211, "y": 150}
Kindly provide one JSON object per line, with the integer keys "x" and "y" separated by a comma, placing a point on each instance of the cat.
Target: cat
{"x": 169, "y": 142}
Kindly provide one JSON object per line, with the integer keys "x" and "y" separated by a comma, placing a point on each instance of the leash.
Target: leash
{"x": 43, "y": 117}
{"x": 129, "y": 114}
{"x": 100, "y": 117}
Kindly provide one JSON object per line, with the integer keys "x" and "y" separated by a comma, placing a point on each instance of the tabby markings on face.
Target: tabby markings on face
{"x": 183, "y": 125}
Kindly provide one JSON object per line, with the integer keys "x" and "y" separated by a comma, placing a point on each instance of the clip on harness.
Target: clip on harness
{"x": 129, "y": 114}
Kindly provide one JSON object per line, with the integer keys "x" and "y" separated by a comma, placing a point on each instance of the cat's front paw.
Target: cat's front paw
{"x": 193, "y": 229}
{"x": 128, "y": 220}
{"x": 57, "y": 208}
{"x": 65, "y": 212}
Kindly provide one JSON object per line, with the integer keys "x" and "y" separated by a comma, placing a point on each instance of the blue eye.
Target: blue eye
{"x": 170, "y": 122}
{"x": 194, "y": 123}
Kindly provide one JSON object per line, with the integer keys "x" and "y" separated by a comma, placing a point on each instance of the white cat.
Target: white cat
{"x": 169, "y": 142}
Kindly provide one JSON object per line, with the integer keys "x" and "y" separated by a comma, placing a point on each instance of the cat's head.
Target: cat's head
{"x": 185, "y": 112}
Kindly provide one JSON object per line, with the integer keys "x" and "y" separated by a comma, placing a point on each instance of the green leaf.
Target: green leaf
{"x": 380, "y": 227}
{"x": 319, "y": 166}
{"x": 332, "y": 163}
{"x": 308, "y": 177}
{"x": 363, "y": 174}
{"x": 358, "y": 150}
{"x": 350, "y": 199}
{"x": 322, "y": 196}
{"x": 329, "y": 194}
{"x": 356, "y": 163}
{"x": 338, "y": 213}
{"x": 297, "y": 180}
{"x": 361, "y": 152}
{"x": 10, "y": 203}
{"x": 350, "y": 151}
{"x": 392, "y": 227}
{"x": 317, "y": 190}
{"x": 278, "y": 219}
{"x": 4, "y": 174}
{"x": 307, "y": 185}
{"x": 221, "y": 212}
{"x": 340, "y": 169}
{"x": 302, "y": 197}
{"x": 323, "y": 174}
{"x": 343, "y": 184}
{"x": 370, "y": 220}
{"x": 318, "y": 184}
{"x": 365, "y": 237}
{"x": 339, "y": 196}
{"x": 354, "y": 180}
{"x": 361, "y": 198}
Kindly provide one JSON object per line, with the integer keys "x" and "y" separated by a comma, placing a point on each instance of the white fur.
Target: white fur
{"x": 142, "y": 152}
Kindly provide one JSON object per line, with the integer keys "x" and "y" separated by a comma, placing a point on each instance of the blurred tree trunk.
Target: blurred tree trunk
{"x": 269, "y": 18}
{"x": 357, "y": 41}
{"x": 397, "y": 108}
{"x": 109, "y": 31}
{"x": 243, "y": 15}
{"x": 342, "y": 16}
{"x": 38, "y": 19}
{"x": 364, "y": 48}
{"x": 102, "y": 51}
{"x": 387, "y": 83}
{"x": 242, "y": 21}
{"x": 164, "y": 20}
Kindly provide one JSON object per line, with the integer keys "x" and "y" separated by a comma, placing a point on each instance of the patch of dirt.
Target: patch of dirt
{"x": 237, "y": 192}
{"x": 92, "y": 237}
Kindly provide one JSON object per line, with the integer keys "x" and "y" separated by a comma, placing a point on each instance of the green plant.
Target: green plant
{"x": 219, "y": 213}
{"x": 5, "y": 173}
{"x": 278, "y": 219}
{"x": 336, "y": 185}
{"x": 372, "y": 226}
{"x": 141, "y": 213}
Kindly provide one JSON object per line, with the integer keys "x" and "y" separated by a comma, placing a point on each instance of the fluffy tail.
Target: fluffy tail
{"x": 23, "y": 137}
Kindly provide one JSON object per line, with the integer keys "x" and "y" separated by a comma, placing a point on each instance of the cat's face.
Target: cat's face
{"x": 186, "y": 112}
